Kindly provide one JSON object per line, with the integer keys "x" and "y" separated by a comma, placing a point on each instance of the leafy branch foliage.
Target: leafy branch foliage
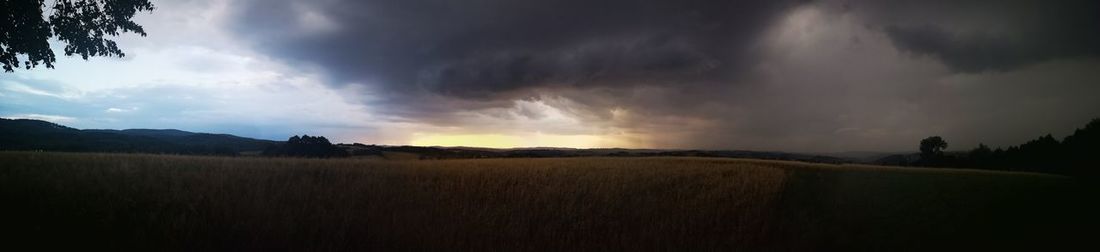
{"x": 83, "y": 25}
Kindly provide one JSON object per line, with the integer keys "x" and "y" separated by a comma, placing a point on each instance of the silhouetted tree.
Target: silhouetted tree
{"x": 306, "y": 146}
{"x": 81, "y": 24}
{"x": 1036, "y": 155}
{"x": 980, "y": 157}
{"x": 1081, "y": 150}
{"x": 1075, "y": 155}
{"x": 932, "y": 148}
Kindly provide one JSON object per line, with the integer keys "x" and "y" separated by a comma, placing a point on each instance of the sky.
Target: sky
{"x": 798, "y": 76}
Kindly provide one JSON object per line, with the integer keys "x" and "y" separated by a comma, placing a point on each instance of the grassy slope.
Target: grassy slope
{"x": 157, "y": 202}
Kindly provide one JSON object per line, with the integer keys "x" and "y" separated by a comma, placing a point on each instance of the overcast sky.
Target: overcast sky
{"x": 802, "y": 76}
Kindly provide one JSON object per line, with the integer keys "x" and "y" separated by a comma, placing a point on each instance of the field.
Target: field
{"x": 164, "y": 202}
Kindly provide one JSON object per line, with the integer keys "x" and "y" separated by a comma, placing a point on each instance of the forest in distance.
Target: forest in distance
{"x": 1074, "y": 155}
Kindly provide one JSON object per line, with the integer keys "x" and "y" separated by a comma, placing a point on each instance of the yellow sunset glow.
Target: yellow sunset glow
{"x": 514, "y": 141}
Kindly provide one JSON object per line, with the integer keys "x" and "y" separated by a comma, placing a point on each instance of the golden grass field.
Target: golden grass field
{"x": 165, "y": 202}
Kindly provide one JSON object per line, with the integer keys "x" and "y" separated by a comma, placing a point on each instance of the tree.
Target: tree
{"x": 306, "y": 146}
{"x": 81, "y": 24}
{"x": 932, "y": 148}
{"x": 980, "y": 157}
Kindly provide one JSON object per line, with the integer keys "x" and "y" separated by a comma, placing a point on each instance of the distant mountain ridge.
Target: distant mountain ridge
{"x": 148, "y": 132}
{"x": 541, "y": 152}
{"x": 34, "y": 135}
{"x": 26, "y": 134}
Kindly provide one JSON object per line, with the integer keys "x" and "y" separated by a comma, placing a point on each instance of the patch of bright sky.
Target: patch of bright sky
{"x": 529, "y": 123}
{"x": 187, "y": 74}
{"x": 190, "y": 73}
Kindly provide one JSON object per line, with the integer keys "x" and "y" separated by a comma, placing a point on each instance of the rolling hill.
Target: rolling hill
{"x": 34, "y": 135}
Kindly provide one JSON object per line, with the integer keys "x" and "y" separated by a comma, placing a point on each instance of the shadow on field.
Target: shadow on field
{"x": 928, "y": 210}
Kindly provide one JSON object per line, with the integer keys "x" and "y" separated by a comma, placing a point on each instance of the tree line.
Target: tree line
{"x": 305, "y": 146}
{"x": 1074, "y": 155}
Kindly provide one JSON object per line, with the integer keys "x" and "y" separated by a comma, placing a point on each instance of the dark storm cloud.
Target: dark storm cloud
{"x": 779, "y": 75}
{"x": 975, "y": 36}
{"x": 481, "y": 49}
{"x": 606, "y": 63}
{"x": 974, "y": 53}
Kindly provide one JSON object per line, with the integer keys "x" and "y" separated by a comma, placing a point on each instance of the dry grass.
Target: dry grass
{"x": 157, "y": 202}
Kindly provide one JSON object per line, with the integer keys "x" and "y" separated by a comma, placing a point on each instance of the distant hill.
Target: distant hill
{"x": 864, "y": 156}
{"x": 25, "y": 134}
{"x": 32, "y": 135}
{"x": 200, "y": 139}
{"x": 471, "y": 152}
{"x": 148, "y": 132}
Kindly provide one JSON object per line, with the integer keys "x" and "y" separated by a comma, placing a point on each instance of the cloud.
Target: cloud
{"x": 975, "y": 53}
{"x": 492, "y": 49}
{"x": 273, "y": 110}
{"x": 120, "y": 110}
{"x": 779, "y": 75}
{"x": 47, "y": 89}
{"x": 976, "y": 36}
{"x": 827, "y": 81}
{"x": 189, "y": 74}
{"x": 49, "y": 118}
{"x": 451, "y": 65}
{"x": 767, "y": 75}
